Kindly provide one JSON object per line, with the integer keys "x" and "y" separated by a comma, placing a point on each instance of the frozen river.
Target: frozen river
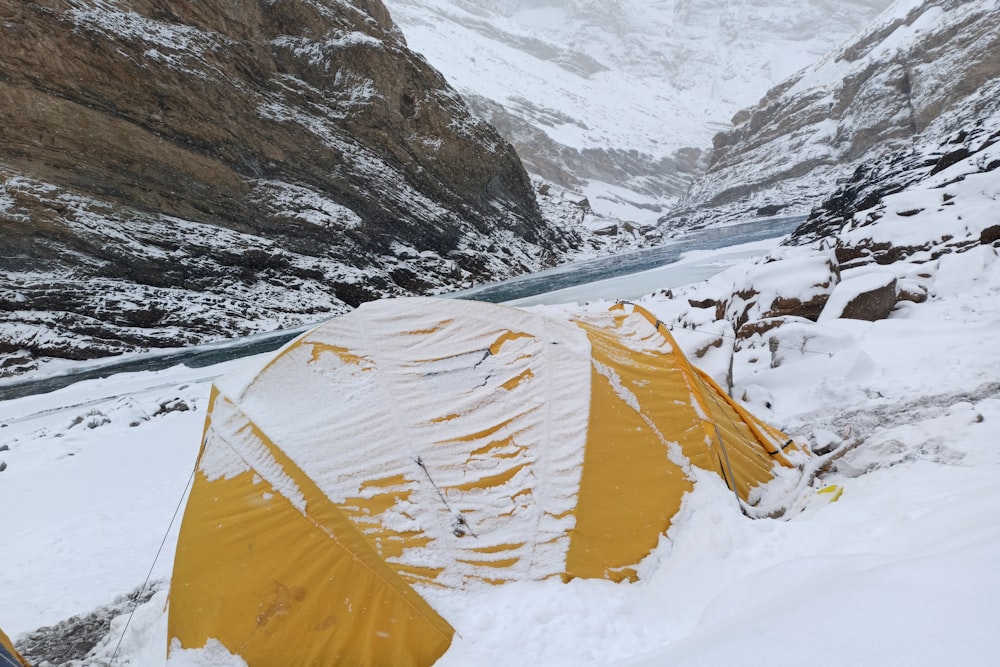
{"x": 691, "y": 258}
{"x": 633, "y": 274}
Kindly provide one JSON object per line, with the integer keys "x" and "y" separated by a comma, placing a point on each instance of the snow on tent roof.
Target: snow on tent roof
{"x": 439, "y": 443}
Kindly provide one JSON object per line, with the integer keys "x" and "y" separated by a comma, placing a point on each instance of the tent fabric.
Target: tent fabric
{"x": 430, "y": 443}
{"x": 9, "y": 657}
{"x": 260, "y": 549}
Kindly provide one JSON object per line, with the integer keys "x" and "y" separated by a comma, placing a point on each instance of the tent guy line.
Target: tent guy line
{"x": 461, "y": 525}
{"x": 152, "y": 566}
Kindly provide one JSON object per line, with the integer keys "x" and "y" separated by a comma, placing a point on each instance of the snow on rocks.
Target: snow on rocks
{"x": 870, "y": 296}
{"x": 792, "y": 284}
{"x": 920, "y": 70}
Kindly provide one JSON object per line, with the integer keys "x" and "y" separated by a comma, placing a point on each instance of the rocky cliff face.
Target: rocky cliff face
{"x": 917, "y": 61}
{"x": 954, "y": 165}
{"x": 173, "y": 172}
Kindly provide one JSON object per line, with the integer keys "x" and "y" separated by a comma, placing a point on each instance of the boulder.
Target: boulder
{"x": 990, "y": 235}
{"x": 869, "y": 296}
{"x": 796, "y": 286}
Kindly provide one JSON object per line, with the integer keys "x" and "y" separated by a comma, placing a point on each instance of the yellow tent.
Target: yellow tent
{"x": 420, "y": 443}
{"x": 9, "y": 657}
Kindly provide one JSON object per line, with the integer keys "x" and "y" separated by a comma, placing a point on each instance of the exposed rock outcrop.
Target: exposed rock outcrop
{"x": 173, "y": 172}
{"x": 961, "y": 143}
{"x": 870, "y": 296}
{"x": 780, "y": 288}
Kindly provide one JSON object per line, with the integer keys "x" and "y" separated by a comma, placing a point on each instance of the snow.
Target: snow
{"x": 174, "y": 44}
{"x": 636, "y": 81}
{"x": 440, "y": 403}
{"x": 902, "y": 568}
{"x": 298, "y": 202}
{"x": 642, "y": 76}
{"x": 213, "y": 654}
{"x": 94, "y": 476}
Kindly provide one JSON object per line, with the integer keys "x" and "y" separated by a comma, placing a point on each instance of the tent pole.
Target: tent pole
{"x": 729, "y": 469}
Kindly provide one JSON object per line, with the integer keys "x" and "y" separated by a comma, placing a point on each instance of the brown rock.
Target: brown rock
{"x": 795, "y": 307}
{"x": 776, "y": 289}
{"x": 703, "y": 303}
{"x": 873, "y": 305}
{"x": 760, "y": 327}
{"x": 990, "y": 235}
{"x": 911, "y": 290}
{"x": 868, "y": 297}
{"x": 181, "y": 171}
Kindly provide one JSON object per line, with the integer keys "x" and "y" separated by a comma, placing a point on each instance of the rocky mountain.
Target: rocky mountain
{"x": 883, "y": 241}
{"x": 617, "y": 100}
{"x": 953, "y": 166}
{"x": 173, "y": 172}
{"x": 878, "y": 93}
{"x": 879, "y": 240}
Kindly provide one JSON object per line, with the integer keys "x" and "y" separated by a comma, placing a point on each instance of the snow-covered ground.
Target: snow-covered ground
{"x": 902, "y": 568}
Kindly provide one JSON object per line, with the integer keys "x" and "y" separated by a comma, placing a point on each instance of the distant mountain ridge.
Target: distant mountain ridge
{"x": 173, "y": 172}
{"x": 619, "y": 100}
{"x": 917, "y": 63}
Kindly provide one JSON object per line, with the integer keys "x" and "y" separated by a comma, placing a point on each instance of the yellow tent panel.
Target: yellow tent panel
{"x": 257, "y": 569}
{"x": 422, "y": 443}
{"x": 9, "y": 657}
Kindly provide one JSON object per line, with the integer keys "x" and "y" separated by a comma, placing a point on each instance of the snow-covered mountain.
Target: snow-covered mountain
{"x": 873, "y": 336}
{"x": 962, "y": 147}
{"x": 620, "y": 99}
{"x": 919, "y": 72}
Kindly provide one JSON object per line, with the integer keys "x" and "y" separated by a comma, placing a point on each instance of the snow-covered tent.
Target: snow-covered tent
{"x": 9, "y": 657}
{"x": 426, "y": 443}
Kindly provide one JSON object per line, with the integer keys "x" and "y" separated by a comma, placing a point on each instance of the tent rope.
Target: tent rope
{"x": 138, "y": 595}
{"x": 461, "y": 526}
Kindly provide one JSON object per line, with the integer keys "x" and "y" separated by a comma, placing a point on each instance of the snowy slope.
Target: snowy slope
{"x": 918, "y": 72}
{"x": 619, "y": 98}
{"x": 901, "y": 568}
